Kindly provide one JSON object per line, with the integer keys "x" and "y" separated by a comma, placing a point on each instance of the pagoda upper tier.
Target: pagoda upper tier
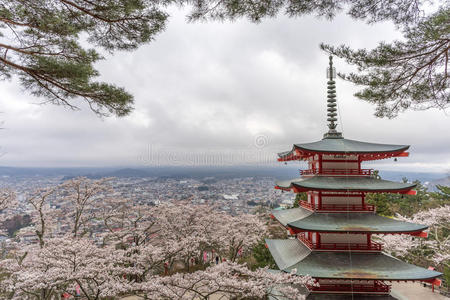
{"x": 303, "y": 220}
{"x": 338, "y": 145}
{"x": 344, "y": 184}
{"x": 332, "y": 231}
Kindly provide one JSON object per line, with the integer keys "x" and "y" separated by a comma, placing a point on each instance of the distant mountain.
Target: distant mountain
{"x": 280, "y": 172}
{"x": 129, "y": 172}
{"x": 441, "y": 181}
{"x": 200, "y": 172}
{"x": 27, "y": 172}
{"x": 411, "y": 176}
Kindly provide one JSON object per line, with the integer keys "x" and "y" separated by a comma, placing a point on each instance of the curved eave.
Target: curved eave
{"x": 287, "y": 216}
{"x": 370, "y": 148}
{"x": 359, "y": 266}
{"x": 351, "y": 226}
{"x": 344, "y": 183}
{"x": 367, "y": 151}
{"x": 293, "y": 257}
{"x": 301, "y": 220}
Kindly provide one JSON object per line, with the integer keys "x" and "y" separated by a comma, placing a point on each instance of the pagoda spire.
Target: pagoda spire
{"x": 331, "y": 103}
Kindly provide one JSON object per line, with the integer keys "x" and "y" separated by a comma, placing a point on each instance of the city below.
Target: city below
{"x": 233, "y": 190}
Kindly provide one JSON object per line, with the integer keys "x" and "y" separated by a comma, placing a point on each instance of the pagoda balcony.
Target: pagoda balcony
{"x": 337, "y": 207}
{"x": 372, "y": 246}
{"x": 337, "y": 172}
{"x": 377, "y": 288}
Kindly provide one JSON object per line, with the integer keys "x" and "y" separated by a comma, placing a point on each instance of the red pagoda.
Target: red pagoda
{"x": 333, "y": 228}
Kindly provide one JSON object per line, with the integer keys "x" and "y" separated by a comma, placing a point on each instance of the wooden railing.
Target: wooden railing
{"x": 378, "y": 287}
{"x": 337, "y": 207}
{"x": 372, "y": 246}
{"x": 307, "y": 205}
{"x": 302, "y": 237}
{"x": 348, "y": 246}
{"x": 366, "y": 172}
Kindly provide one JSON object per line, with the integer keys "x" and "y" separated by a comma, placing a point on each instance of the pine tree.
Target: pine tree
{"x": 404, "y": 74}
{"x": 40, "y": 43}
{"x": 407, "y": 74}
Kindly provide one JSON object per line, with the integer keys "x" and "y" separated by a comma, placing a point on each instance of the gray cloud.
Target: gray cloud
{"x": 212, "y": 89}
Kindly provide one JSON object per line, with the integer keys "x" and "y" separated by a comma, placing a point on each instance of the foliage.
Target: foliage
{"x": 447, "y": 276}
{"x": 433, "y": 251}
{"x": 398, "y": 11}
{"x": 442, "y": 193}
{"x": 389, "y": 204}
{"x": 15, "y": 223}
{"x": 262, "y": 256}
{"x": 302, "y": 196}
{"x": 41, "y": 44}
{"x": 412, "y": 73}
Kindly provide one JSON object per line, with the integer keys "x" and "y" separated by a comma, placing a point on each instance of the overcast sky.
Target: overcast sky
{"x": 219, "y": 93}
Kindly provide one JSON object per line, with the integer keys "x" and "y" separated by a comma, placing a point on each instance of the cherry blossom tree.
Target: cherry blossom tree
{"x": 8, "y": 201}
{"x": 7, "y": 198}
{"x": 83, "y": 198}
{"x": 43, "y": 216}
{"x": 131, "y": 247}
{"x": 236, "y": 235}
{"x": 65, "y": 265}
{"x": 135, "y": 230}
{"x": 435, "y": 249}
{"x": 228, "y": 280}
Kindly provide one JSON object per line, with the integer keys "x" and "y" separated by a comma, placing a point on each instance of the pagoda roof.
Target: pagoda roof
{"x": 344, "y": 183}
{"x": 305, "y": 220}
{"x": 287, "y": 216}
{"x": 346, "y": 297}
{"x": 341, "y": 145}
{"x": 338, "y": 265}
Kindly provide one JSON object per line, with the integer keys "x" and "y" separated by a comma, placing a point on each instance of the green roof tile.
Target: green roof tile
{"x": 359, "y": 266}
{"x": 348, "y": 265}
{"x": 341, "y": 145}
{"x": 289, "y": 215}
{"x": 304, "y": 219}
{"x": 345, "y": 183}
{"x": 287, "y": 252}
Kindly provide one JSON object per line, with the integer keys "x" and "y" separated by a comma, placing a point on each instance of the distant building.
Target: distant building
{"x": 231, "y": 197}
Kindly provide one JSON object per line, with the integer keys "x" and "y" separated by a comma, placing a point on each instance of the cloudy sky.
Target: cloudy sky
{"x": 219, "y": 93}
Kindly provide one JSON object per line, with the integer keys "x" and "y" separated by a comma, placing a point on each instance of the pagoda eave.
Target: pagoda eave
{"x": 295, "y": 230}
{"x": 330, "y": 146}
{"x": 301, "y": 155}
{"x": 296, "y": 189}
{"x": 335, "y": 265}
{"x": 302, "y": 220}
{"x": 367, "y": 184}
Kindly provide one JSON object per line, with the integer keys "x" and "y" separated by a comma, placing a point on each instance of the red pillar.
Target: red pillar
{"x": 320, "y": 163}
{"x": 320, "y": 200}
